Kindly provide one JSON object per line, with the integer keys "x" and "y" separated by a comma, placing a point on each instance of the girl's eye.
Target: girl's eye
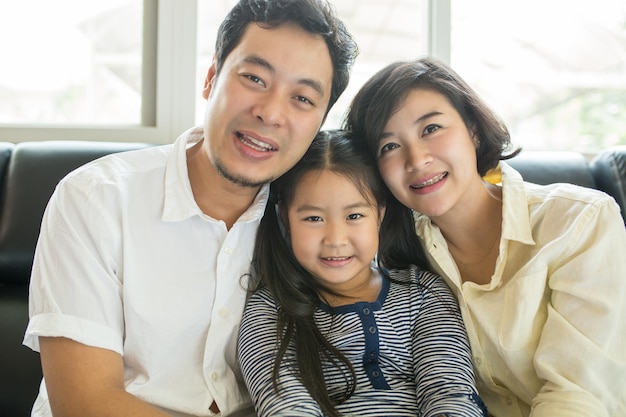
{"x": 430, "y": 129}
{"x": 388, "y": 147}
{"x": 354, "y": 216}
{"x": 313, "y": 219}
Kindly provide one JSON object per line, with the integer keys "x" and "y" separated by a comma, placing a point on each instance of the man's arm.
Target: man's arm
{"x": 87, "y": 381}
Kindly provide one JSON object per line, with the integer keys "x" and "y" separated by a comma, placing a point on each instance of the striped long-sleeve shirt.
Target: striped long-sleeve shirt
{"x": 409, "y": 350}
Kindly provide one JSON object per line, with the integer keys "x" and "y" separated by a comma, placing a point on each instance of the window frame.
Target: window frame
{"x": 169, "y": 78}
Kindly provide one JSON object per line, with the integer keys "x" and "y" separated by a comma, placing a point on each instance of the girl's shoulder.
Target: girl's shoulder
{"x": 415, "y": 275}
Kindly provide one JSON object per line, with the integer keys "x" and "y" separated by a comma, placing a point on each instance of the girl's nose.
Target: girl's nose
{"x": 335, "y": 235}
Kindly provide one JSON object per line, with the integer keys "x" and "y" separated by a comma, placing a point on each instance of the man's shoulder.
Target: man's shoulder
{"x": 120, "y": 166}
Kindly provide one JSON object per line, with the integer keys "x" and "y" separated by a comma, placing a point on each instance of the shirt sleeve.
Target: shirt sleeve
{"x": 581, "y": 354}
{"x": 258, "y": 339}
{"x": 444, "y": 374}
{"x": 74, "y": 289}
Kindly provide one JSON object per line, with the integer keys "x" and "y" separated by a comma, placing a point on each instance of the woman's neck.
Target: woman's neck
{"x": 473, "y": 234}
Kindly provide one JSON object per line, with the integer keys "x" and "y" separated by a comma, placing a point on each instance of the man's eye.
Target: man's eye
{"x": 304, "y": 99}
{"x": 254, "y": 79}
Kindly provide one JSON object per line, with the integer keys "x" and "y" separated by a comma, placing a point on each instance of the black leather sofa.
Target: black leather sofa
{"x": 29, "y": 172}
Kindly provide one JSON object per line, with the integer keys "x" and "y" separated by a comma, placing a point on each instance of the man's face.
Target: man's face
{"x": 267, "y": 103}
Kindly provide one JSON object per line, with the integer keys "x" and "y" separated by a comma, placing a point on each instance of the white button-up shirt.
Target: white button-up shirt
{"x": 127, "y": 261}
{"x": 548, "y": 333}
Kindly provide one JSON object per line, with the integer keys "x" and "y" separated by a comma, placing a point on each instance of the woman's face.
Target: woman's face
{"x": 427, "y": 155}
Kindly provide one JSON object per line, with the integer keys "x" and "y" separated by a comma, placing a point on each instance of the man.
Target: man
{"x": 138, "y": 287}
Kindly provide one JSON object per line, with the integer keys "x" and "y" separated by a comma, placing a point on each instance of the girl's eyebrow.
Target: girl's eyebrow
{"x": 420, "y": 119}
{"x": 311, "y": 207}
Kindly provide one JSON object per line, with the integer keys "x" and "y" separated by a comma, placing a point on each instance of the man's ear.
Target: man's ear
{"x": 210, "y": 79}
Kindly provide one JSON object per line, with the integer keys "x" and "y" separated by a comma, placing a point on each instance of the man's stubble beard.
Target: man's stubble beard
{"x": 238, "y": 180}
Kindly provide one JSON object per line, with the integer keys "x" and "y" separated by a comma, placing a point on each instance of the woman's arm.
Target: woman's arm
{"x": 444, "y": 373}
{"x": 582, "y": 349}
{"x": 258, "y": 342}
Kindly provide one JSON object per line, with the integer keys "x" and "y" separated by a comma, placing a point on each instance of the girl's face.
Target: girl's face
{"x": 334, "y": 231}
{"x": 427, "y": 156}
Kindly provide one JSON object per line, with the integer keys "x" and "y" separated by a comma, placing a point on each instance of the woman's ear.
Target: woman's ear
{"x": 381, "y": 215}
{"x": 474, "y": 136}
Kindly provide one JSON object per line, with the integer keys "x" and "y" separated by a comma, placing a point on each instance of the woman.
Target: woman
{"x": 539, "y": 271}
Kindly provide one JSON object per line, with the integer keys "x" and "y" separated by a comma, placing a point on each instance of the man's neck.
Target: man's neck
{"x": 215, "y": 195}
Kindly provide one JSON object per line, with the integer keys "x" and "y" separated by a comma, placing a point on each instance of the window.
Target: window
{"x": 132, "y": 70}
{"x": 554, "y": 70}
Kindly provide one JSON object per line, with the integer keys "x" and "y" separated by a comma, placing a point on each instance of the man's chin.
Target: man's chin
{"x": 241, "y": 181}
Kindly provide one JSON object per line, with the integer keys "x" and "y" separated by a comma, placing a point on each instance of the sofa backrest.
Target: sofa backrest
{"x": 550, "y": 167}
{"x": 33, "y": 170}
{"x": 29, "y": 173}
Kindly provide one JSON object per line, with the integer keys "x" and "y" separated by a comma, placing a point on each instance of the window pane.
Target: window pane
{"x": 71, "y": 62}
{"x": 554, "y": 70}
{"x": 384, "y": 30}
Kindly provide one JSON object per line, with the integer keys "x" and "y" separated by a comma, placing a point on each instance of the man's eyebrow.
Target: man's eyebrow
{"x": 309, "y": 82}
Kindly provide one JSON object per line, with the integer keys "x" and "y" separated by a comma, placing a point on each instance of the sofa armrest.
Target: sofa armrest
{"x": 609, "y": 171}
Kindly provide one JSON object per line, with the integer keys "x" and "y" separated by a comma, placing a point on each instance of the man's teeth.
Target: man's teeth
{"x": 255, "y": 143}
{"x": 431, "y": 181}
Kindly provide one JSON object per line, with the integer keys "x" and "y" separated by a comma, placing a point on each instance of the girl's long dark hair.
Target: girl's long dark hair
{"x": 295, "y": 290}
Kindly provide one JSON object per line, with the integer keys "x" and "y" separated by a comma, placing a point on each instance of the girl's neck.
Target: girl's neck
{"x": 350, "y": 294}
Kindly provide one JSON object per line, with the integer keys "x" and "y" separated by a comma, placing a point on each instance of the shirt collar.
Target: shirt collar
{"x": 179, "y": 203}
{"x": 515, "y": 213}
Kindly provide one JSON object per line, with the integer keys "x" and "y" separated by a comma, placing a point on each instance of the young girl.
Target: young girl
{"x": 328, "y": 332}
{"x": 539, "y": 270}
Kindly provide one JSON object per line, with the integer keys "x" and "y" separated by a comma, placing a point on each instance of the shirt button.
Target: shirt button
{"x": 366, "y": 311}
{"x": 222, "y": 312}
{"x": 478, "y": 361}
{"x": 508, "y": 401}
{"x": 228, "y": 250}
{"x": 214, "y": 376}
{"x": 372, "y": 329}
{"x": 375, "y": 374}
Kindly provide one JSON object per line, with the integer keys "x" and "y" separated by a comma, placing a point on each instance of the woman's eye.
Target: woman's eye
{"x": 430, "y": 129}
{"x": 388, "y": 147}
